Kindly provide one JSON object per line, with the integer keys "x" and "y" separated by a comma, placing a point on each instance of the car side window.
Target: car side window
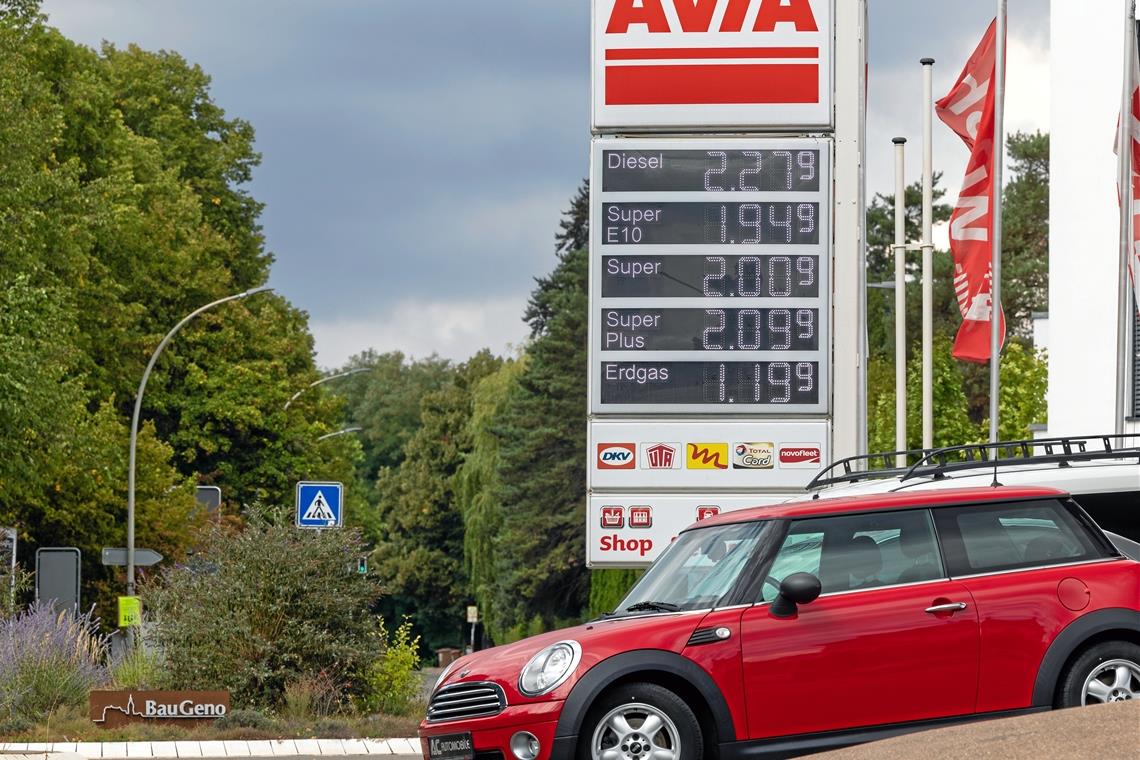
{"x": 855, "y": 552}
{"x": 992, "y": 538}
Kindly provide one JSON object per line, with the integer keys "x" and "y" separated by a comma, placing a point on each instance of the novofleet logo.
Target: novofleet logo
{"x": 707, "y": 456}
{"x": 617, "y": 456}
{"x": 754, "y": 456}
{"x": 801, "y": 456}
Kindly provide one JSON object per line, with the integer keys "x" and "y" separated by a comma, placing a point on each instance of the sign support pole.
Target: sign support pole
{"x": 1124, "y": 180}
{"x": 927, "y": 253}
{"x": 995, "y": 287}
{"x": 900, "y": 299}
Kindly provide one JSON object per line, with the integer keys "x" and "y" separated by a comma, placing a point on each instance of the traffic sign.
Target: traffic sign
{"x": 58, "y": 576}
{"x": 320, "y": 505}
{"x": 117, "y": 556}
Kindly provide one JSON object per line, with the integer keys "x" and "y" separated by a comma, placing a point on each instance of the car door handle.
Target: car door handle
{"x": 951, "y": 607}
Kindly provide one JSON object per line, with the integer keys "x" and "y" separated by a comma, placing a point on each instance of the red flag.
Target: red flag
{"x": 968, "y": 109}
{"x": 1132, "y": 128}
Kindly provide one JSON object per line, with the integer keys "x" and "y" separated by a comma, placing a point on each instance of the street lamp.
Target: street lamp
{"x": 135, "y": 428}
{"x": 326, "y": 436}
{"x": 315, "y": 383}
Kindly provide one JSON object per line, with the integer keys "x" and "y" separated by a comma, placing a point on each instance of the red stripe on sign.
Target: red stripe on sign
{"x": 712, "y": 84}
{"x": 655, "y": 54}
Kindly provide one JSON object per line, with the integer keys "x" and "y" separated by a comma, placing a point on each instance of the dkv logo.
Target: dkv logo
{"x": 617, "y": 456}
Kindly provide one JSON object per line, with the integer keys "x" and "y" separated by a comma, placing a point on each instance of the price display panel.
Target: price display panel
{"x": 709, "y": 273}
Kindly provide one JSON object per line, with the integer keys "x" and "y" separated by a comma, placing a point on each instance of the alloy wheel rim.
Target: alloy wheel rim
{"x": 635, "y": 731}
{"x": 1112, "y": 681}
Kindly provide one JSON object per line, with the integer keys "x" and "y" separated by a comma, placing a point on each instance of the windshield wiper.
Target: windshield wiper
{"x": 652, "y": 607}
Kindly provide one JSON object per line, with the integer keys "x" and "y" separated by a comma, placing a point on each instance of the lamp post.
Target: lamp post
{"x": 135, "y": 428}
{"x": 347, "y": 430}
{"x": 315, "y": 383}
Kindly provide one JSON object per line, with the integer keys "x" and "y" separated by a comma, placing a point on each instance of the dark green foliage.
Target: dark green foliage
{"x": 608, "y": 587}
{"x": 1025, "y": 232}
{"x": 540, "y": 552}
{"x": 420, "y": 551}
{"x": 257, "y": 608}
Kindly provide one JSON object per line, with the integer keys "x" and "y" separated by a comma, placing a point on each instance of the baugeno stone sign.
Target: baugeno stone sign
{"x": 111, "y": 709}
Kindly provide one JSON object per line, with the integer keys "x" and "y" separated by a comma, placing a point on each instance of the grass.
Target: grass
{"x": 71, "y": 724}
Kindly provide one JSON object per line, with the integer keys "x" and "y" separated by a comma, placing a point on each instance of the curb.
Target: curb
{"x": 210, "y": 749}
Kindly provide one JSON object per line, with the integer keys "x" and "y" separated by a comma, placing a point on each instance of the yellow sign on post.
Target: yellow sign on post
{"x": 130, "y": 611}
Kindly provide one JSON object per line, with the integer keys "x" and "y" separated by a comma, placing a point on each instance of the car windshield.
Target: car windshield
{"x": 697, "y": 570}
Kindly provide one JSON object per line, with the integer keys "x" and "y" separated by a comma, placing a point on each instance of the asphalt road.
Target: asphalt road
{"x": 1102, "y": 732}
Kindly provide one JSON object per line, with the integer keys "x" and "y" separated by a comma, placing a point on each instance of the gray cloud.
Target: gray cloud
{"x": 424, "y": 150}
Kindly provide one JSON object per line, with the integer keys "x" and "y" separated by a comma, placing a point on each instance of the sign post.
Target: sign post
{"x": 712, "y": 310}
{"x": 320, "y": 505}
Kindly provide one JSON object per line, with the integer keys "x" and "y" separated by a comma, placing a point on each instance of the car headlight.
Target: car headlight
{"x": 550, "y": 668}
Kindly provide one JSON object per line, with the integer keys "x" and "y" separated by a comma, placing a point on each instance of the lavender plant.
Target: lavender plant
{"x": 49, "y": 658}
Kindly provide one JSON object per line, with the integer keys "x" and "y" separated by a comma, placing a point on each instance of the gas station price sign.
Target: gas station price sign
{"x": 709, "y": 275}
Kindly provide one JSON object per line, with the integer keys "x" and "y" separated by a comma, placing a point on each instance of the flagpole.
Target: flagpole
{"x": 995, "y": 287}
{"x": 900, "y": 299}
{"x": 927, "y": 253}
{"x": 1124, "y": 172}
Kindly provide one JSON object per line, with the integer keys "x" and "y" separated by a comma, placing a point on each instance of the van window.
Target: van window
{"x": 991, "y": 538}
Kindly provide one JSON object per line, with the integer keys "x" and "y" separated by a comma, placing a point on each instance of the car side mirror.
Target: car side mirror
{"x": 796, "y": 589}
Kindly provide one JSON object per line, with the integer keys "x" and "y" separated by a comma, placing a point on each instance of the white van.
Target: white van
{"x": 1101, "y": 472}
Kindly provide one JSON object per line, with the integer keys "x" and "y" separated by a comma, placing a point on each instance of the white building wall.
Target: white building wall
{"x": 1087, "y": 41}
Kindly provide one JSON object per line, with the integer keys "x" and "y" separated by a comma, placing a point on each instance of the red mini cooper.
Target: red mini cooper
{"x": 822, "y": 623}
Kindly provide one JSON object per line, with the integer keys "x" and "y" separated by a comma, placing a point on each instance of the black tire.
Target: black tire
{"x": 689, "y": 739}
{"x": 1070, "y": 691}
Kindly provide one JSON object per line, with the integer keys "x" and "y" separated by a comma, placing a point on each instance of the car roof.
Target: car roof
{"x": 1119, "y": 475}
{"x": 881, "y": 502}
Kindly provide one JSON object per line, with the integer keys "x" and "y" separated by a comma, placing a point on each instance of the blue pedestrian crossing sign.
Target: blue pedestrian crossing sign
{"x": 320, "y": 505}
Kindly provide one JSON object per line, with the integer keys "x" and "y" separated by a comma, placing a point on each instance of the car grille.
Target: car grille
{"x": 477, "y": 699}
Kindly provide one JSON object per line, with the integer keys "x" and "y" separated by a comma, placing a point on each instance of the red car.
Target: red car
{"x": 817, "y": 624}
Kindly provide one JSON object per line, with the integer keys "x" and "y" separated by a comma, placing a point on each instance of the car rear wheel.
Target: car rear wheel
{"x": 641, "y": 721}
{"x": 1107, "y": 672}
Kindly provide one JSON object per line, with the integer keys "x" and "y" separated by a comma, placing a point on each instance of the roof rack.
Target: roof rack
{"x": 1061, "y": 451}
{"x": 852, "y": 474}
{"x": 935, "y": 463}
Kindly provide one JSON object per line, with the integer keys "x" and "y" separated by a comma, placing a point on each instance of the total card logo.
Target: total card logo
{"x": 661, "y": 456}
{"x": 801, "y": 456}
{"x": 617, "y": 456}
{"x": 754, "y": 456}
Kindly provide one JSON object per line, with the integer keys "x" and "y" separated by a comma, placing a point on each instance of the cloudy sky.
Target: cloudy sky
{"x": 417, "y": 155}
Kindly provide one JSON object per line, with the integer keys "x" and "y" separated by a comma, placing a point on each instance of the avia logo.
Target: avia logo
{"x": 754, "y": 456}
{"x": 617, "y": 456}
{"x": 707, "y": 511}
{"x": 660, "y": 456}
{"x": 707, "y": 456}
{"x": 807, "y": 456}
{"x": 698, "y": 15}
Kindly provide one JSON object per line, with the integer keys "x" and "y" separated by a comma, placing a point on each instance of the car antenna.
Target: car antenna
{"x": 996, "y": 483}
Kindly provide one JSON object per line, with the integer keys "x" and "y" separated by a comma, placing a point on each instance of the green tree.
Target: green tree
{"x": 420, "y": 553}
{"x": 1025, "y": 232}
{"x": 539, "y": 554}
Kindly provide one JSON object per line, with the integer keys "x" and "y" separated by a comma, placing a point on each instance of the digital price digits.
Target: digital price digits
{"x": 710, "y": 329}
{"x": 777, "y": 223}
{"x": 713, "y": 171}
{"x": 709, "y": 383}
{"x": 685, "y": 276}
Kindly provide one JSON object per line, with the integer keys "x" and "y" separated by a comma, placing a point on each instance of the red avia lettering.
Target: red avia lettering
{"x": 697, "y": 15}
{"x": 616, "y": 544}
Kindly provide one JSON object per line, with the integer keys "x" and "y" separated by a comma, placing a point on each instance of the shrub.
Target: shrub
{"x": 394, "y": 683}
{"x": 48, "y": 659}
{"x": 140, "y": 668}
{"x": 311, "y": 696}
{"x": 259, "y": 608}
{"x": 245, "y": 719}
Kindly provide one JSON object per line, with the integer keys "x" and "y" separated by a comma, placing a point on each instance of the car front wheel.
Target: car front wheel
{"x": 1107, "y": 672}
{"x": 641, "y": 721}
